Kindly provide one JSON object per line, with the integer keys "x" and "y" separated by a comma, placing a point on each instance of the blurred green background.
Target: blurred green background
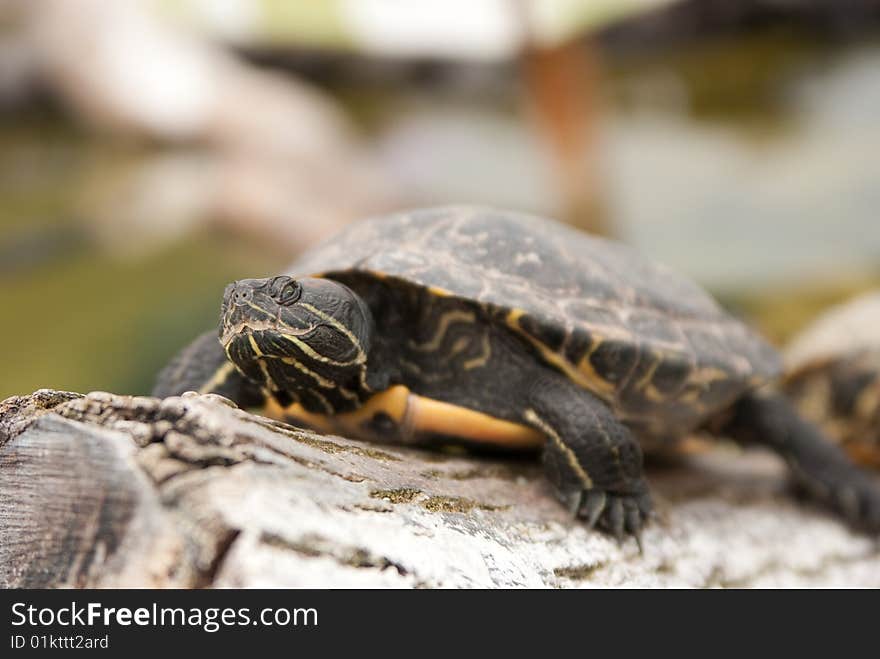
{"x": 741, "y": 147}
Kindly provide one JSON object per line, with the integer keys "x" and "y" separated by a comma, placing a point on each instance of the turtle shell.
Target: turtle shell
{"x": 847, "y": 329}
{"x": 648, "y": 341}
{"x": 833, "y": 374}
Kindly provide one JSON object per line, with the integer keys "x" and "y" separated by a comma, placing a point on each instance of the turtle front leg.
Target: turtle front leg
{"x": 591, "y": 458}
{"x": 202, "y": 366}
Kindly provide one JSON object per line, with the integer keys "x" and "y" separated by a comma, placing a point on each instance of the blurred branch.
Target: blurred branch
{"x": 283, "y": 161}
{"x": 562, "y": 91}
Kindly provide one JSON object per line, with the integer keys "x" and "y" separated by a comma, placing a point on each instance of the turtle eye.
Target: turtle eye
{"x": 290, "y": 293}
{"x": 285, "y": 290}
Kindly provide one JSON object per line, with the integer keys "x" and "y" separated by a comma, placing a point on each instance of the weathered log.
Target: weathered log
{"x": 105, "y": 490}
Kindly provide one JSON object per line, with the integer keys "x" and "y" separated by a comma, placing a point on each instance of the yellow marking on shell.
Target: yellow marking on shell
{"x": 439, "y": 292}
{"x": 513, "y": 317}
{"x": 650, "y": 392}
{"x": 456, "y": 315}
{"x": 460, "y": 344}
{"x": 694, "y": 388}
{"x": 654, "y": 395}
{"x": 415, "y": 417}
{"x": 317, "y": 356}
{"x": 590, "y": 378}
{"x": 595, "y": 382}
{"x": 583, "y": 375}
{"x": 302, "y": 368}
{"x": 218, "y": 378}
{"x": 707, "y": 375}
{"x": 481, "y": 359}
{"x": 330, "y": 320}
{"x": 533, "y": 418}
{"x": 643, "y": 382}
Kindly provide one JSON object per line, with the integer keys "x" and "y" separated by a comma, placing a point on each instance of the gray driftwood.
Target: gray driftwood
{"x": 105, "y": 490}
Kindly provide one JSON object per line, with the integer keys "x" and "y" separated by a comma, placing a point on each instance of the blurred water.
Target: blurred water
{"x": 79, "y": 311}
{"x": 751, "y": 164}
{"x": 745, "y": 164}
{"x": 789, "y": 200}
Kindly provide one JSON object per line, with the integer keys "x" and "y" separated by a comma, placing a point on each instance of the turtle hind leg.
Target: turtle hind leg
{"x": 819, "y": 467}
{"x": 591, "y": 458}
{"x": 202, "y": 366}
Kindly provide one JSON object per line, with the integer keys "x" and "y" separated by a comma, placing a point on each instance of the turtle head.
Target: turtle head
{"x": 303, "y": 340}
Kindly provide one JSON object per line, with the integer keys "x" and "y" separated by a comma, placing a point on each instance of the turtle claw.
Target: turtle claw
{"x": 615, "y": 518}
{"x": 572, "y": 502}
{"x": 633, "y": 520}
{"x": 633, "y": 517}
{"x": 592, "y": 506}
{"x": 618, "y": 514}
{"x": 638, "y": 539}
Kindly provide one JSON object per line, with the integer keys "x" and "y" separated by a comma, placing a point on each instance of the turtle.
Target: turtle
{"x": 492, "y": 328}
{"x": 833, "y": 375}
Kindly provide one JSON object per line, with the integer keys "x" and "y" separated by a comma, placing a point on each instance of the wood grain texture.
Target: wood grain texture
{"x": 104, "y": 490}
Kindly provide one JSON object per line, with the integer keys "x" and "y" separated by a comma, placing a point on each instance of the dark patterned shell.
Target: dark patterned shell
{"x": 650, "y": 342}
{"x": 833, "y": 375}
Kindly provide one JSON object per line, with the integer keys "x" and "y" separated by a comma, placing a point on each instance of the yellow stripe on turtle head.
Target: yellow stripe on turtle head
{"x": 330, "y": 320}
